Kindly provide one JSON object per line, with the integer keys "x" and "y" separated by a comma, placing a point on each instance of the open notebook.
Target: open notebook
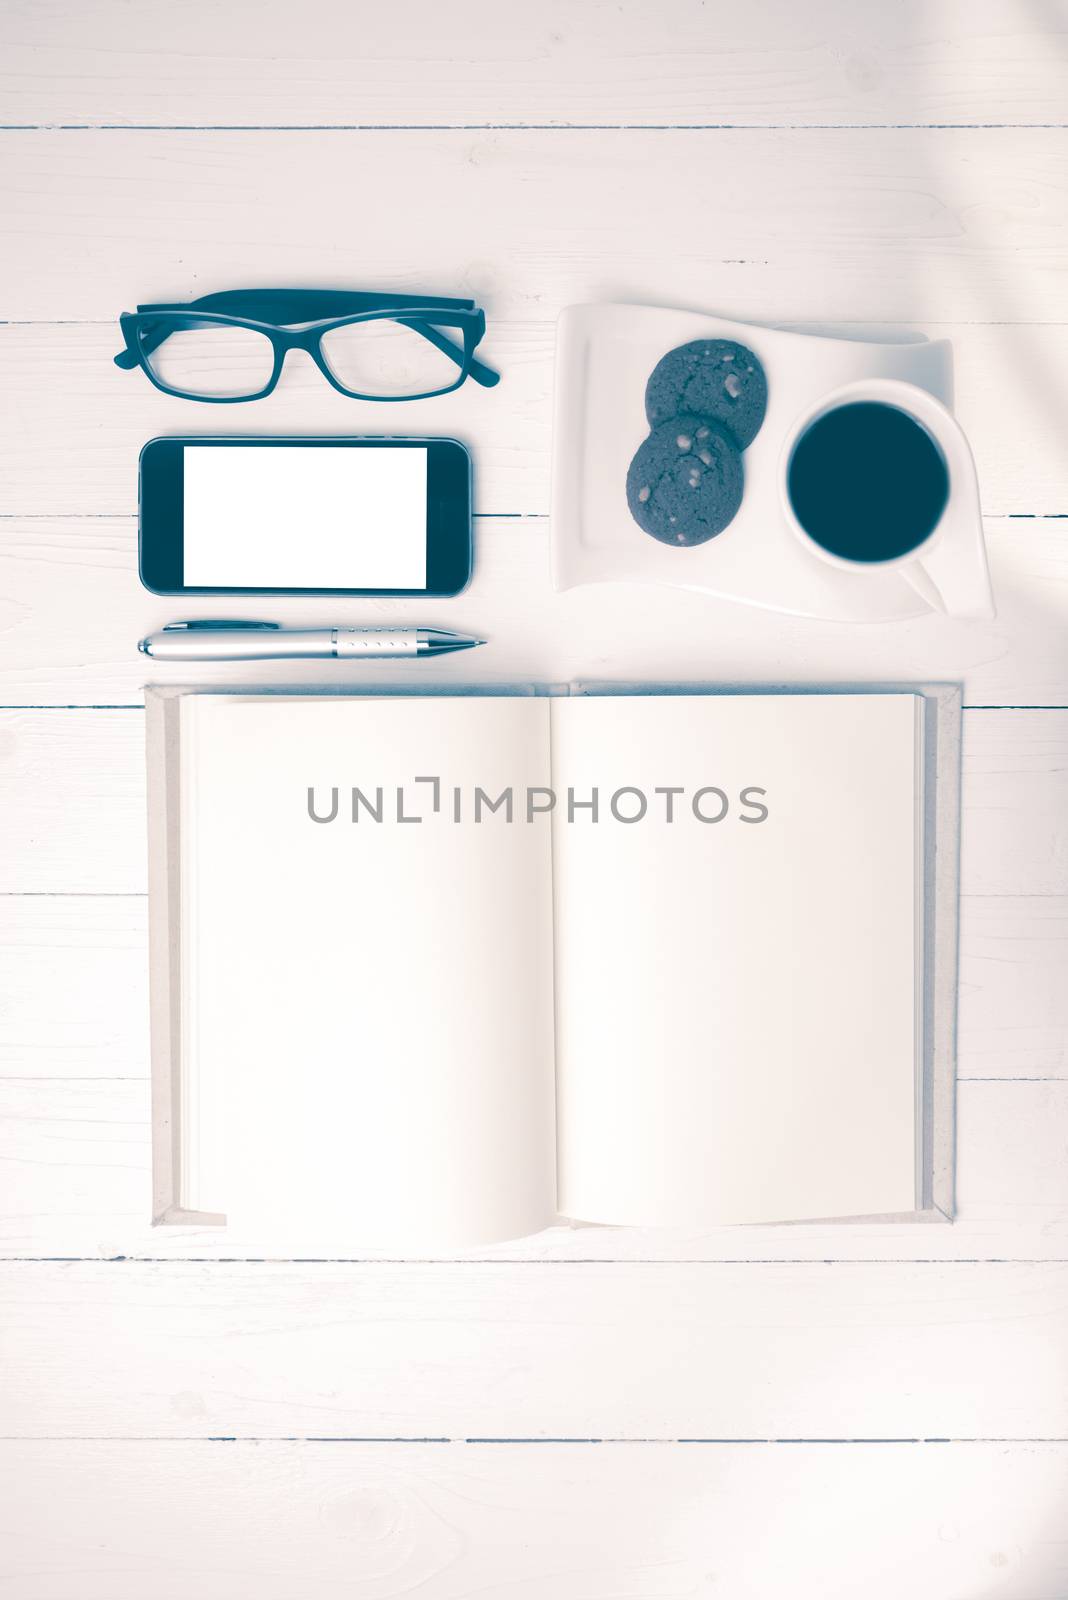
{"x": 408, "y": 985}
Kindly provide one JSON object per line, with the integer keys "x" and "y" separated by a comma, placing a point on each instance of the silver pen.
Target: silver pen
{"x": 217, "y": 640}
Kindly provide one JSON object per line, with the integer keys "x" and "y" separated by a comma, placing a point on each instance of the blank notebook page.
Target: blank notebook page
{"x": 369, "y": 1017}
{"x": 739, "y": 1005}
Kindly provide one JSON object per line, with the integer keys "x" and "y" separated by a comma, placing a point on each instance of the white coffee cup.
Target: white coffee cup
{"x": 931, "y": 564}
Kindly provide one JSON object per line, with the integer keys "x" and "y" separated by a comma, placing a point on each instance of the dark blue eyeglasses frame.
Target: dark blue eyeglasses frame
{"x": 296, "y": 319}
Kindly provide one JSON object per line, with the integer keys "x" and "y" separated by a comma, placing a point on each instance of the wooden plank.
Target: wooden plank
{"x": 1013, "y": 1007}
{"x": 79, "y": 775}
{"x": 74, "y": 611}
{"x": 926, "y": 225}
{"x": 72, "y": 391}
{"x": 76, "y": 1154}
{"x": 65, "y": 962}
{"x": 66, "y": 402}
{"x": 1015, "y": 803}
{"x": 181, "y": 1350}
{"x": 830, "y": 62}
{"x": 72, "y": 792}
{"x": 88, "y": 949}
{"x": 450, "y": 1521}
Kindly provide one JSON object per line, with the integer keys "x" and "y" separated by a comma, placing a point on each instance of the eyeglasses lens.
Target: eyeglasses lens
{"x": 210, "y": 360}
{"x": 389, "y": 359}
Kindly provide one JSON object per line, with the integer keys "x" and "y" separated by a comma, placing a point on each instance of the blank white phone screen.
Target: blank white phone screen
{"x": 304, "y": 517}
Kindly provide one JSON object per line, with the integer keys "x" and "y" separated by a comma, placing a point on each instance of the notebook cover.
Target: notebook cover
{"x": 942, "y": 754}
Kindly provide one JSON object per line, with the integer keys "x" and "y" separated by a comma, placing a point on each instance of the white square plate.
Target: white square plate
{"x": 604, "y": 355}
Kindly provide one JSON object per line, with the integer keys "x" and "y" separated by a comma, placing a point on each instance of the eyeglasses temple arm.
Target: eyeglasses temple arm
{"x": 478, "y": 370}
{"x": 484, "y": 375}
{"x": 150, "y": 339}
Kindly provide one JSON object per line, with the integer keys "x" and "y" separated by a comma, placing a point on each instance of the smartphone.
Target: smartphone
{"x": 304, "y": 516}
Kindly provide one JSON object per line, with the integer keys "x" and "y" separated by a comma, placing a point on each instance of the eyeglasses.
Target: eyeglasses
{"x": 231, "y": 346}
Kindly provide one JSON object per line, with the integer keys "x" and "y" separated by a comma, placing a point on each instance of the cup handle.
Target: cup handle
{"x": 917, "y": 577}
{"x": 953, "y": 581}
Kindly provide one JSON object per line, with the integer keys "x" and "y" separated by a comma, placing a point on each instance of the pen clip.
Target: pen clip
{"x": 217, "y": 624}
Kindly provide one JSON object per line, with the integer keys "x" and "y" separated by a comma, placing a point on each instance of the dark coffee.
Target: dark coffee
{"x": 867, "y": 482}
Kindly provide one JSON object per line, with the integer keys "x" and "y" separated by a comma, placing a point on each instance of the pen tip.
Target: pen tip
{"x": 142, "y": 645}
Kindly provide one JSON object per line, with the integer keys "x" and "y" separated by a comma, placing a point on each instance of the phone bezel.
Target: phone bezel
{"x": 160, "y": 511}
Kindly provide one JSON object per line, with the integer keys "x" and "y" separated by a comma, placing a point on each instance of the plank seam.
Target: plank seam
{"x": 522, "y": 1441}
{"x": 531, "y": 127}
{"x": 133, "y": 705}
{"x": 529, "y": 1261}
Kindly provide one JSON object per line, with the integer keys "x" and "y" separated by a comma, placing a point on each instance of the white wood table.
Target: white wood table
{"x": 806, "y": 1411}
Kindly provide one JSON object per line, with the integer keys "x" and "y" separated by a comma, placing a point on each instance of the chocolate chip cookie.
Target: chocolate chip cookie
{"x": 712, "y": 378}
{"x": 685, "y": 481}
